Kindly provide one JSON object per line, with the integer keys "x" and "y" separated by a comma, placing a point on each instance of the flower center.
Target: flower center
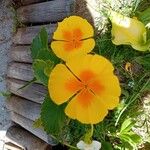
{"x": 73, "y": 39}
{"x": 89, "y": 86}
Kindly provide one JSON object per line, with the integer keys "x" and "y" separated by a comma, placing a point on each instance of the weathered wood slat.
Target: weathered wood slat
{"x": 24, "y": 139}
{"x": 10, "y": 146}
{"x": 27, "y": 2}
{"x": 51, "y": 11}
{"x": 20, "y": 71}
{"x": 24, "y": 36}
{"x": 24, "y": 107}
{"x": 34, "y": 92}
{"x": 28, "y": 125}
{"x": 21, "y": 54}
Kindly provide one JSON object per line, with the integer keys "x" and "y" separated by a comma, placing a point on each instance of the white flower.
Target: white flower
{"x": 95, "y": 145}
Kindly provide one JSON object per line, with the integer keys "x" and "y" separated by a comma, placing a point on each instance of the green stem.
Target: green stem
{"x": 92, "y": 130}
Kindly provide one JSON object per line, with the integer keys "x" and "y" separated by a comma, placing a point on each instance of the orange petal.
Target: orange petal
{"x": 73, "y": 25}
{"x": 67, "y": 50}
{"x": 95, "y": 65}
{"x": 62, "y": 84}
{"x": 88, "y": 110}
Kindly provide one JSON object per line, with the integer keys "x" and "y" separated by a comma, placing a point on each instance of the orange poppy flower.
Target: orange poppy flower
{"x": 73, "y": 36}
{"x": 88, "y": 84}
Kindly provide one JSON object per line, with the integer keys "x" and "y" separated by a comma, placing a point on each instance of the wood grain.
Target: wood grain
{"x": 24, "y": 139}
{"x": 24, "y": 36}
{"x": 24, "y": 107}
{"x": 28, "y": 125}
{"x": 20, "y": 71}
{"x": 21, "y": 54}
{"x": 51, "y": 11}
{"x": 34, "y": 92}
{"x": 19, "y": 3}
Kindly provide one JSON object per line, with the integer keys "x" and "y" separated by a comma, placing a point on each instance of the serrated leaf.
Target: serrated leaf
{"x": 52, "y": 116}
{"x": 39, "y": 67}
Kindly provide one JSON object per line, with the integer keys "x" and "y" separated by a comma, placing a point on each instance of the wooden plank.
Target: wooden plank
{"x": 20, "y": 71}
{"x": 24, "y": 107}
{"x": 24, "y": 36}
{"x": 21, "y": 54}
{"x": 26, "y": 2}
{"x": 11, "y": 146}
{"x": 25, "y": 139}
{"x": 34, "y": 92}
{"x": 28, "y": 125}
{"x": 51, "y": 11}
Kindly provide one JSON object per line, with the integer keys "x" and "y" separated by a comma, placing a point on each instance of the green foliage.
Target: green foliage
{"x": 127, "y": 135}
{"x": 115, "y": 131}
{"x": 144, "y": 16}
{"x": 52, "y": 116}
{"x": 43, "y": 58}
{"x": 144, "y": 61}
{"x": 5, "y": 94}
{"x": 106, "y": 146}
{"x": 42, "y": 69}
{"x": 40, "y": 49}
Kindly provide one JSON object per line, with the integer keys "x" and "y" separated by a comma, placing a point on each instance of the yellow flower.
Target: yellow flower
{"x": 89, "y": 86}
{"x": 128, "y": 31}
{"x": 72, "y": 37}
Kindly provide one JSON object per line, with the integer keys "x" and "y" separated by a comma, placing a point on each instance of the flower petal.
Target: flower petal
{"x": 129, "y": 31}
{"x": 71, "y": 24}
{"x": 95, "y": 64}
{"x": 67, "y": 50}
{"x": 92, "y": 113}
{"x": 110, "y": 84}
{"x": 62, "y": 84}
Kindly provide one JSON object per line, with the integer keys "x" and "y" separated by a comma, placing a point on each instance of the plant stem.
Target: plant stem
{"x": 92, "y": 130}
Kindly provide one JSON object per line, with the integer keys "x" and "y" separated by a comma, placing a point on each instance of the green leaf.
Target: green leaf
{"x": 127, "y": 125}
{"x": 106, "y": 146}
{"x": 36, "y": 46}
{"x": 135, "y": 137}
{"x": 52, "y": 116}
{"x": 47, "y": 55}
{"x": 48, "y": 68}
{"x": 127, "y": 139}
{"x": 39, "y": 67}
{"x": 40, "y": 49}
{"x": 44, "y": 38}
{"x": 40, "y": 42}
